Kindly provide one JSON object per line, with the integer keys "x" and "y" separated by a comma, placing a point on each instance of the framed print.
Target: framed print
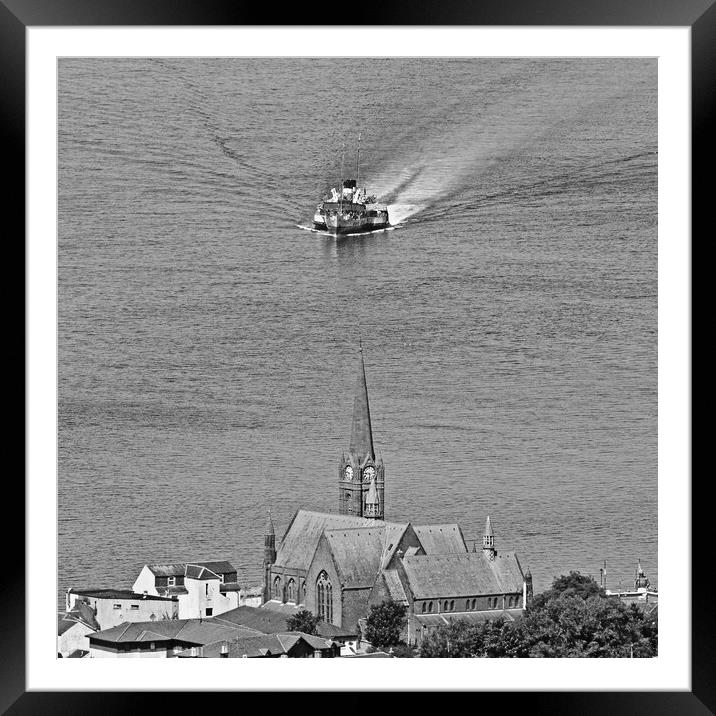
{"x": 335, "y": 324}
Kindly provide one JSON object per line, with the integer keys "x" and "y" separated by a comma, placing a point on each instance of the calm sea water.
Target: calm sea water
{"x": 208, "y": 346}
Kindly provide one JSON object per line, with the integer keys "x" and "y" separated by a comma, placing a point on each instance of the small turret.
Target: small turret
{"x": 269, "y": 557}
{"x": 488, "y": 540}
{"x": 372, "y": 503}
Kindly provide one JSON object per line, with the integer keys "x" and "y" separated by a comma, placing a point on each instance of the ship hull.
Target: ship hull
{"x": 337, "y": 224}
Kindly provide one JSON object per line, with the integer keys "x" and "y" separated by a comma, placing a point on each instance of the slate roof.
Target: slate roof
{"x": 394, "y": 585}
{"x": 260, "y": 619}
{"x": 194, "y": 631}
{"x": 178, "y": 569}
{"x": 197, "y": 571}
{"x": 357, "y": 552}
{"x": 81, "y": 613}
{"x": 433, "y": 620}
{"x": 440, "y": 539}
{"x": 299, "y": 543}
{"x": 462, "y": 575}
{"x": 260, "y": 645}
{"x": 229, "y": 587}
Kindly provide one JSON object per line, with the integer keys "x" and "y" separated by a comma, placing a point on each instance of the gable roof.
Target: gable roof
{"x": 81, "y": 613}
{"x": 357, "y": 553}
{"x": 259, "y": 619}
{"x": 299, "y": 543}
{"x": 440, "y": 539}
{"x": 462, "y": 575}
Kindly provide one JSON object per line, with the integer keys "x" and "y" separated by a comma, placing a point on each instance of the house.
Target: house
{"x": 74, "y": 628}
{"x": 293, "y": 645}
{"x": 338, "y": 565}
{"x": 202, "y": 589}
{"x": 114, "y": 606}
{"x": 162, "y": 638}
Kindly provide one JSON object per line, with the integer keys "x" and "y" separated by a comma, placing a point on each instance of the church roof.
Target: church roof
{"x": 440, "y": 539}
{"x": 462, "y": 575}
{"x": 357, "y": 552}
{"x": 394, "y": 585}
{"x": 361, "y": 431}
{"x": 301, "y": 538}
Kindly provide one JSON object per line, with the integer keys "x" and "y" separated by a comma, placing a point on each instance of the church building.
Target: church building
{"x": 337, "y": 565}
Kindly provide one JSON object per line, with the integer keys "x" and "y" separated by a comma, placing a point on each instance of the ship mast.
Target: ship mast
{"x": 358, "y": 163}
{"x": 340, "y": 187}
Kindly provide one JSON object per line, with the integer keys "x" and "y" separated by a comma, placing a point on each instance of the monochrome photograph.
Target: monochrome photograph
{"x": 357, "y": 357}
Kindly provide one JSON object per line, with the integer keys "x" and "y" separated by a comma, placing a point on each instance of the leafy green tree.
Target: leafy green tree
{"x": 385, "y": 624}
{"x": 303, "y": 621}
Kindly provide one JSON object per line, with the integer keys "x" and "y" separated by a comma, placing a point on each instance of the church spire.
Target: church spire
{"x": 361, "y": 431}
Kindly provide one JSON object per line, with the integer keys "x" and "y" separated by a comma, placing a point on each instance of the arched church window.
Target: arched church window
{"x": 467, "y": 604}
{"x": 445, "y": 606}
{"x": 424, "y": 607}
{"x": 302, "y": 592}
{"x": 324, "y": 598}
{"x": 430, "y": 606}
{"x": 473, "y": 603}
{"x": 452, "y": 605}
{"x": 276, "y": 592}
{"x": 291, "y": 590}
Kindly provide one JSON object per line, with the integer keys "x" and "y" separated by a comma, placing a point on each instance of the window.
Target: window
{"x": 445, "y": 606}
{"x": 473, "y": 603}
{"x": 430, "y": 606}
{"x": 116, "y": 606}
{"x": 291, "y": 591}
{"x": 171, "y": 581}
{"x": 424, "y": 607}
{"x": 302, "y": 594}
{"x": 134, "y": 606}
{"x": 152, "y": 645}
{"x": 452, "y": 605}
{"x": 206, "y": 589}
{"x": 276, "y": 591}
{"x": 324, "y": 598}
{"x": 467, "y": 604}
{"x": 209, "y": 611}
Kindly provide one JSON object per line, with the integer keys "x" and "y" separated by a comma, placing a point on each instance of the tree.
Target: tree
{"x": 572, "y": 584}
{"x": 385, "y": 624}
{"x": 574, "y": 618}
{"x": 303, "y": 621}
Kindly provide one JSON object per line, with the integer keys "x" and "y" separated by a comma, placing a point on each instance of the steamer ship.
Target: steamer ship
{"x": 351, "y": 209}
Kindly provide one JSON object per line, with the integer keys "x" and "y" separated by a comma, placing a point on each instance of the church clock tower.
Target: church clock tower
{"x": 361, "y": 483}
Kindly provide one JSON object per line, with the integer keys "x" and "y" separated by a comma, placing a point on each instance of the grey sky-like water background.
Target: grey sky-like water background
{"x": 208, "y": 345}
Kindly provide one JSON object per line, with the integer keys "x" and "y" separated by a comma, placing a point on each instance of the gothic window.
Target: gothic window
{"x": 324, "y": 598}
{"x": 452, "y": 605}
{"x": 424, "y": 607}
{"x": 445, "y": 606}
{"x": 291, "y": 591}
{"x": 467, "y": 604}
{"x": 473, "y": 603}
{"x": 302, "y": 592}
{"x": 430, "y": 606}
{"x": 276, "y": 593}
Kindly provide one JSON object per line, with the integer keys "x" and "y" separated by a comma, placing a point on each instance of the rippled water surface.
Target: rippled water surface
{"x": 208, "y": 346}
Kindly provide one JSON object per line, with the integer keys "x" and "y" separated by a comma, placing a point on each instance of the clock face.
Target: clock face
{"x": 349, "y": 473}
{"x": 368, "y": 474}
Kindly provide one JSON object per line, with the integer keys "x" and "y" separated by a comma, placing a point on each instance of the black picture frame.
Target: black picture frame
{"x": 699, "y": 15}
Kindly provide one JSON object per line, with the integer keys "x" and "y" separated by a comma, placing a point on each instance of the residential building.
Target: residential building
{"x": 293, "y": 645}
{"x": 74, "y": 628}
{"x": 115, "y": 606}
{"x": 202, "y": 589}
